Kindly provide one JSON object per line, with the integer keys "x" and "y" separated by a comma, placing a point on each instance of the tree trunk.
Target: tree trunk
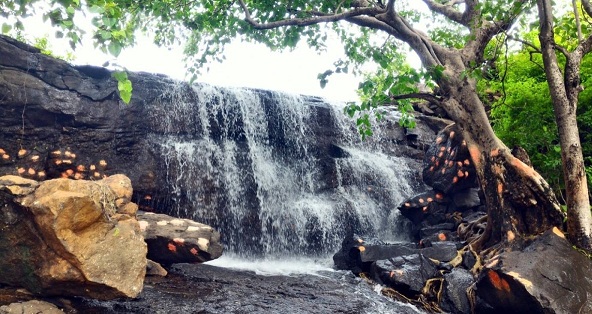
{"x": 565, "y": 88}
{"x": 520, "y": 203}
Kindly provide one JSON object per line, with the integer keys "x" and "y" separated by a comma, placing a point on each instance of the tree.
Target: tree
{"x": 565, "y": 87}
{"x": 520, "y": 202}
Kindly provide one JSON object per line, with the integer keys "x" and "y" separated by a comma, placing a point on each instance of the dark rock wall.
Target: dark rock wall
{"x": 57, "y": 120}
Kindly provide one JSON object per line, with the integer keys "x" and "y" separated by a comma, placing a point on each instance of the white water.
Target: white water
{"x": 246, "y": 162}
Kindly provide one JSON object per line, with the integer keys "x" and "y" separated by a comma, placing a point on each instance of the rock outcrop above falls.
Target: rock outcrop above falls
{"x": 253, "y": 164}
{"x": 64, "y": 237}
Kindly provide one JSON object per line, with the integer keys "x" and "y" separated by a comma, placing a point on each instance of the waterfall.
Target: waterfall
{"x": 276, "y": 174}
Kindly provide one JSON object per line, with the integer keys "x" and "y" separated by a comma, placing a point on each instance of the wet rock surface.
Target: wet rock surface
{"x": 202, "y": 288}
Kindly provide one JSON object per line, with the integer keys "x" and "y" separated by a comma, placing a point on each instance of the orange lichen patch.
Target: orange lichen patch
{"x": 80, "y": 168}
{"x": 361, "y": 248}
{"x": 558, "y": 232}
{"x": 35, "y": 158}
{"x": 523, "y": 168}
{"x": 172, "y": 248}
{"x": 498, "y": 169}
{"x": 511, "y": 236}
{"x": 500, "y": 188}
{"x": 22, "y": 153}
{"x": 41, "y": 174}
{"x": 92, "y": 167}
{"x": 451, "y": 134}
{"x": 193, "y": 251}
{"x": 31, "y": 171}
{"x": 475, "y": 155}
{"x": 498, "y": 282}
{"x": 495, "y": 152}
{"x": 20, "y": 170}
{"x": 441, "y": 237}
{"x": 454, "y": 180}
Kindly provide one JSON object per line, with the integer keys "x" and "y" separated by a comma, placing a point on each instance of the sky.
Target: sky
{"x": 246, "y": 64}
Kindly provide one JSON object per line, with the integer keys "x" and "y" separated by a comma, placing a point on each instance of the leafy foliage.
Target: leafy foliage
{"x": 522, "y": 111}
{"x": 124, "y": 85}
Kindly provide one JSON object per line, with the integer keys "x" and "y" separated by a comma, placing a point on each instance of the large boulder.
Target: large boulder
{"x": 65, "y": 237}
{"x": 407, "y": 274}
{"x": 173, "y": 240}
{"x": 358, "y": 253}
{"x": 548, "y": 276}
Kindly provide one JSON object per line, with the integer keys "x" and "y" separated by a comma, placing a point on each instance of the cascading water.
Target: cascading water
{"x": 276, "y": 174}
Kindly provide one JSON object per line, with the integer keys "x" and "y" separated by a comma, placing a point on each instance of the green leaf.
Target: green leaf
{"x": 114, "y": 48}
{"x": 96, "y": 9}
{"x": 6, "y": 28}
{"x": 124, "y": 85}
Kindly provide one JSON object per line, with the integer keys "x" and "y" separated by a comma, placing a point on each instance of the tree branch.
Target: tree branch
{"x": 308, "y": 21}
{"x": 423, "y": 96}
{"x": 447, "y": 10}
{"x": 587, "y": 7}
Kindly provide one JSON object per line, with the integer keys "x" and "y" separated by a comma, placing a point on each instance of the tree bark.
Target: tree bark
{"x": 520, "y": 203}
{"x": 565, "y": 88}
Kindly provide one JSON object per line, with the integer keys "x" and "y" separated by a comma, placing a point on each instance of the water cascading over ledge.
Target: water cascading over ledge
{"x": 277, "y": 174}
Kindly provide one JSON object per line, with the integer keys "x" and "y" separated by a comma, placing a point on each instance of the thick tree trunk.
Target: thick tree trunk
{"x": 520, "y": 203}
{"x": 565, "y": 88}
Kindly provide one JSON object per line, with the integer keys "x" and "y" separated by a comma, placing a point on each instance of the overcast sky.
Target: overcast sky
{"x": 246, "y": 65}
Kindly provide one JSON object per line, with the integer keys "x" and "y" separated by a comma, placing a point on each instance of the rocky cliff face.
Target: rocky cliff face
{"x": 184, "y": 148}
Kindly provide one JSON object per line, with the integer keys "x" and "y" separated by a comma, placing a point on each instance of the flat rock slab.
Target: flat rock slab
{"x": 173, "y": 240}
{"x": 202, "y": 288}
{"x": 548, "y": 276}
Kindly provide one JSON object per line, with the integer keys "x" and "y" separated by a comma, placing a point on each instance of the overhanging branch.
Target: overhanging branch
{"x": 423, "y": 96}
{"x": 317, "y": 19}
